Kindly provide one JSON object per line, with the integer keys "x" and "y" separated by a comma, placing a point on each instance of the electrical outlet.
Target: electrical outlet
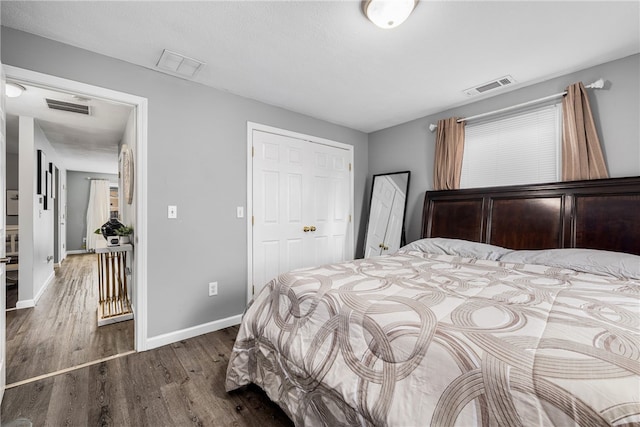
{"x": 213, "y": 288}
{"x": 172, "y": 212}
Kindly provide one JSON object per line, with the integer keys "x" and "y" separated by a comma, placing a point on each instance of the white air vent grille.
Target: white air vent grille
{"x": 492, "y": 85}
{"x": 55, "y": 104}
{"x": 178, "y": 64}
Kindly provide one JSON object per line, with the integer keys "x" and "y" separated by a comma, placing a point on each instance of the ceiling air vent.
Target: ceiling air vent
{"x": 178, "y": 64}
{"x": 489, "y": 86}
{"x": 54, "y": 104}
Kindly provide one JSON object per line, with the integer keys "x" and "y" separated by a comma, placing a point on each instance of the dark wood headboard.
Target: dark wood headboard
{"x": 597, "y": 214}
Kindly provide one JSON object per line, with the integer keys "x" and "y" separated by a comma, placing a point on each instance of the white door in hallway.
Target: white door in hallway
{"x": 3, "y": 220}
{"x": 302, "y": 205}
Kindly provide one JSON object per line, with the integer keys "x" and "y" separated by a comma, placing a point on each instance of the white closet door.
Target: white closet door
{"x": 327, "y": 204}
{"x": 278, "y": 173}
{"x": 297, "y": 184}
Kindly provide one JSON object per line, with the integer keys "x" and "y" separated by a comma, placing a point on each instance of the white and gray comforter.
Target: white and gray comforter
{"x": 416, "y": 339}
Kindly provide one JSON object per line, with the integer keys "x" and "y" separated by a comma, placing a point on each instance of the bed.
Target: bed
{"x": 520, "y": 306}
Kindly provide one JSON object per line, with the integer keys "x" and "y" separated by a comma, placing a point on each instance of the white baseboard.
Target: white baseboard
{"x": 77, "y": 251}
{"x": 29, "y": 303}
{"x": 171, "y": 337}
{"x": 45, "y": 286}
{"x": 59, "y": 263}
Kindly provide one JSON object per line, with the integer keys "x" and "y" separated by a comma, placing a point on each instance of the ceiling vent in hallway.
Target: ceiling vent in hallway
{"x": 54, "y": 104}
{"x": 180, "y": 65}
{"x": 489, "y": 86}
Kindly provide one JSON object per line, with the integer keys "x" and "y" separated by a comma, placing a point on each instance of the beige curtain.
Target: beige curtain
{"x": 582, "y": 156}
{"x": 97, "y": 211}
{"x": 448, "y": 158}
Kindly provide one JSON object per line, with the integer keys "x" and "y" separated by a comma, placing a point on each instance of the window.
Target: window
{"x": 524, "y": 148}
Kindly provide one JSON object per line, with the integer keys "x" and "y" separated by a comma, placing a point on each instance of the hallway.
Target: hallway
{"x": 61, "y": 331}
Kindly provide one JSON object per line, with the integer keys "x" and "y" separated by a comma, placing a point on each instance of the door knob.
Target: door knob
{"x": 306, "y": 229}
{"x": 381, "y": 245}
{"x": 312, "y": 228}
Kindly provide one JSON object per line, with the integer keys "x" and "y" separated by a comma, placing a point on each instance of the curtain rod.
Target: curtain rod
{"x": 598, "y": 84}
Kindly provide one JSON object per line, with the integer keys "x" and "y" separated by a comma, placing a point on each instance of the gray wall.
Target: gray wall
{"x": 616, "y": 108}
{"x": 78, "y": 187}
{"x": 36, "y": 223}
{"x": 12, "y": 181}
{"x": 197, "y": 161}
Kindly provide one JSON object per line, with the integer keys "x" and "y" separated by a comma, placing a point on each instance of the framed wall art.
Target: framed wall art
{"x": 48, "y": 202}
{"x": 52, "y": 188}
{"x": 43, "y": 168}
{"x": 126, "y": 173}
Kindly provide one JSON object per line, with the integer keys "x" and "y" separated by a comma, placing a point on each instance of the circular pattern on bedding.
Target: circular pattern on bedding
{"x": 503, "y": 332}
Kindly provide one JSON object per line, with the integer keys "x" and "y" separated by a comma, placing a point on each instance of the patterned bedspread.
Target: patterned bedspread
{"x": 414, "y": 339}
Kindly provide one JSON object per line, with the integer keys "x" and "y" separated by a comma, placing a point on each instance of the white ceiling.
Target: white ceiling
{"x": 84, "y": 142}
{"x": 324, "y": 59}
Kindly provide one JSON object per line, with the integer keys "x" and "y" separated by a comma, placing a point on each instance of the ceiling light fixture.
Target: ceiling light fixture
{"x": 388, "y": 13}
{"x": 13, "y": 90}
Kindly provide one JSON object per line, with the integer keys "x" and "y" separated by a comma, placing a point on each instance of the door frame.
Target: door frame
{"x": 252, "y": 126}
{"x": 3, "y": 225}
{"x": 140, "y": 105}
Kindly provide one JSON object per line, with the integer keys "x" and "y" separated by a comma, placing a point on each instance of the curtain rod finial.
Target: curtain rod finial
{"x": 598, "y": 84}
{"x": 433, "y": 127}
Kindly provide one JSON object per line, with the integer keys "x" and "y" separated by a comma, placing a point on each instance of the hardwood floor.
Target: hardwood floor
{"x": 61, "y": 331}
{"x": 179, "y": 384}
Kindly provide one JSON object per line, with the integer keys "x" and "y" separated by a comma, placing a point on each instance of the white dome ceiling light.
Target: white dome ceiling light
{"x": 13, "y": 90}
{"x": 388, "y": 13}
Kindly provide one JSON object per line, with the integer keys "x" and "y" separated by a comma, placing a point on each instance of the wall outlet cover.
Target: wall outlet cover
{"x": 213, "y": 288}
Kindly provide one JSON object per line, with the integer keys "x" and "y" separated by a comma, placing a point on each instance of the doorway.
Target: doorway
{"x": 139, "y": 202}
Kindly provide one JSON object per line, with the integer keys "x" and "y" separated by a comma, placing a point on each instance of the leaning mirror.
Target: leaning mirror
{"x": 385, "y": 228}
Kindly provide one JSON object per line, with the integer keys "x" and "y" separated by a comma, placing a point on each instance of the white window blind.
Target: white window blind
{"x": 524, "y": 148}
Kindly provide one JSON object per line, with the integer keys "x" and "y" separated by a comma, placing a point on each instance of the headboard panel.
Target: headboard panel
{"x": 596, "y": 214}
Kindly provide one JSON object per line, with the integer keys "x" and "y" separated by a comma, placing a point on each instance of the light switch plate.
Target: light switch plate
{"x": 240, "y": 212}
{"x": 172, "y": 212}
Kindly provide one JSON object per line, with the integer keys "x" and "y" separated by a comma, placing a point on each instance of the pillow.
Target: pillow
{"x": 463, "y": 248}
{"x": 617, "y": 264}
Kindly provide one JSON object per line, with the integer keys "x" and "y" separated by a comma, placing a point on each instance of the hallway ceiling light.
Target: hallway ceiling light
{"x": 388, "y": 13}
{"x": 13, "y": 90}
{"x": 178, "y": 64}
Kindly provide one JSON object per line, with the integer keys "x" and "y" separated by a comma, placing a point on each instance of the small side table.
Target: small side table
{"x": 113, "y": 304}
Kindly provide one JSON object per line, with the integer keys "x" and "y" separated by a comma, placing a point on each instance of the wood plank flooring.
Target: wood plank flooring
{"x": 61, "y": 331}
{"x": 180, "y": 384}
